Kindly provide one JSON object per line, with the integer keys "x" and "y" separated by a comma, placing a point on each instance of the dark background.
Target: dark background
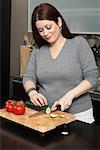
{"x": 5, "y": 21}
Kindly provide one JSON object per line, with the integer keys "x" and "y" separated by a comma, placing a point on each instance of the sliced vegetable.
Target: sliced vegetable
{"x": 48, "y": 110}
{"x": 62, "y": 116}
{"x": 52, "y": 115}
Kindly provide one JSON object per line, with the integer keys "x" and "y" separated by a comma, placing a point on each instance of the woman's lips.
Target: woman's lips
{"x": 47, "y": 38}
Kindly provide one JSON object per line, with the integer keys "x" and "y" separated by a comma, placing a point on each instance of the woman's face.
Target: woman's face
{"x": 48, "y": 30}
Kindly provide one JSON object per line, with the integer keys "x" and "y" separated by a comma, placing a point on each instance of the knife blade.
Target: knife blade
{"x": 45, "y": 110}
{"x": 39, "y": 113}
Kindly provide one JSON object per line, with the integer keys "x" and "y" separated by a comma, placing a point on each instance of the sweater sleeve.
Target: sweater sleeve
{"x": 87, "y": 62}
{"x": 30, "y": 72}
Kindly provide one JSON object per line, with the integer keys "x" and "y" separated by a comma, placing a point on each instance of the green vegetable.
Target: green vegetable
{"x": 38, "y": 108}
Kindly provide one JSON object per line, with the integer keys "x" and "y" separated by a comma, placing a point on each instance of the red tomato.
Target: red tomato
{"x": 9, "y": 105}
{"x": 19, "y": 108}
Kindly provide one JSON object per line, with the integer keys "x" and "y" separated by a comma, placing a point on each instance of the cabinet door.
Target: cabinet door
{"x": 19, "y": 92}
{"x": 82, "y": 16}
{"x": 96, "y": 110}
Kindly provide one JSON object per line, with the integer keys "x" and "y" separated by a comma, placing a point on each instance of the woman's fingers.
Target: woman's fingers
{"x": 54, "y": 106}
{"x": 67, "y": 106}
{"x": 43, "y": 100}
{"x": 33, "y": 101}
{"x": 38, "y": 100}
{"x": 63, "y": 105}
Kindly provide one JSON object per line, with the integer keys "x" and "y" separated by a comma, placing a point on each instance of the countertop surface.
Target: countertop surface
{"x": 39, "y": 120}
{"x": 80, "y": 136}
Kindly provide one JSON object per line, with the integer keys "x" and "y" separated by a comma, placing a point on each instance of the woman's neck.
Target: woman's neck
{"x": 56, "y": 48}
{"x": 58, "y": 42}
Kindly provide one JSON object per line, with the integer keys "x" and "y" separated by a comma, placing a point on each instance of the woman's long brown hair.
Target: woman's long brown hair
{"x": 46, "y": 11}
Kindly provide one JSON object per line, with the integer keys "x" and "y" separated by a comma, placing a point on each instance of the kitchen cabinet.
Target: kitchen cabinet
{"x": 82, "y": 16}
{"x": 17, "y": 88}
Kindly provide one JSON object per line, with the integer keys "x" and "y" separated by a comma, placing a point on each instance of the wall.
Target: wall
{"x": 18, "y": 29}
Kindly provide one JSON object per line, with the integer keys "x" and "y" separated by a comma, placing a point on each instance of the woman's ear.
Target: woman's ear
{"x": 59, "y": 22}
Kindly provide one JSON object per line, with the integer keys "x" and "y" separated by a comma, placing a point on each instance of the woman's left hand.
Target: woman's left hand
{"x": 65, "y": 102}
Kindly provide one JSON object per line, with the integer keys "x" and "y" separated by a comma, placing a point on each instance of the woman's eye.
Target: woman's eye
{"x": 49, "y": 27}
{"x": 40, "y": 30}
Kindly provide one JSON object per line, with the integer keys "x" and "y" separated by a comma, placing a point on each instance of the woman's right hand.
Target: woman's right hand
{"x": 37, "y": 99}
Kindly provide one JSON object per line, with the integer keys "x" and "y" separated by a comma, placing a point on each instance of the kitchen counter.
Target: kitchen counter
{"x": 80, "y": 136}
{"x": 95, "y": 95}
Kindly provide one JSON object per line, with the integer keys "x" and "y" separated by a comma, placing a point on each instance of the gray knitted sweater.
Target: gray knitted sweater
{"x": 57, "y": 76}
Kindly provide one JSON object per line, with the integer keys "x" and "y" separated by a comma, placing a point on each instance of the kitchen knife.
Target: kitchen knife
{"x": 39, "y": 113}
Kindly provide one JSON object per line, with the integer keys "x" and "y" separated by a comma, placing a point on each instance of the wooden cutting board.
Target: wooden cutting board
{"x": 41, "y": 122}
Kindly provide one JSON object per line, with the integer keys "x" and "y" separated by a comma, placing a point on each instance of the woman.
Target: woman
{"x": 62, "y": 65}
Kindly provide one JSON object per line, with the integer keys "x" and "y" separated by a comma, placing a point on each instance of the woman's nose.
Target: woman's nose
{"x": 45, "y": 32}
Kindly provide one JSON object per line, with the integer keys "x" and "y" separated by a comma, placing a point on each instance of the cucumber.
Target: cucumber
{"x": 29, "y": 104}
